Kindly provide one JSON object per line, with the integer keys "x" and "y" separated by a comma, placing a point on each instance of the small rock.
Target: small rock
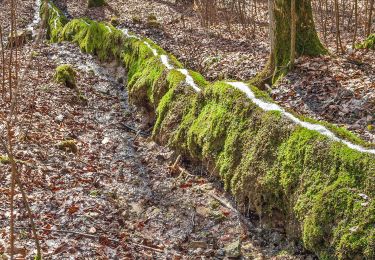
{"x": 203, "y": 211}
{"x": 363, "y": 196}
{"x": 233, "y": 249}
{"x": 59, "y": 118}
{"x": 353, "y": 229}
{"x": 106, "y": 140}
{"x": 92, "y": 230}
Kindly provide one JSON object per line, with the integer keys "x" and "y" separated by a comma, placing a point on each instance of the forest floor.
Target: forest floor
{"x": 116, "y": 196}
{"x": 338, "y": 88}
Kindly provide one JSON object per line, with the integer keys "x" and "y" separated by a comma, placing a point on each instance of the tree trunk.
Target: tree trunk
{"x": 307, "y": 41}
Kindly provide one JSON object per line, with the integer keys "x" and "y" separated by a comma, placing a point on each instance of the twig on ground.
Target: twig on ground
{"x": 94, "y": 237}
{"x": 229, "y": 206}
{"x": 132, "y": 129}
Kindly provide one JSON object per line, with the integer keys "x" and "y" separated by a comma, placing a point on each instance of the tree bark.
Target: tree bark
{"x": 307, "y": 41}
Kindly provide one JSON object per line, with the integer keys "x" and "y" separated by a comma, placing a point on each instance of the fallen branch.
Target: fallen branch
{"x": 97, "y": 237}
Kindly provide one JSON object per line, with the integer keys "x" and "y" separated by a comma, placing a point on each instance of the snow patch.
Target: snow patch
{"x": 267, "y": 106}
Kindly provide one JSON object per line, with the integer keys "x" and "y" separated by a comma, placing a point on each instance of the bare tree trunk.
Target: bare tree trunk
{"x": 293, "y": 27}
{"x": 338, "y": 35}
{"x": 356, "y": 22}
{"x": 369, "y": 24}
{"x": 2, "y": 63}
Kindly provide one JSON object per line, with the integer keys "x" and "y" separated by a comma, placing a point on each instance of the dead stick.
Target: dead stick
{"x": 93, "y": 237}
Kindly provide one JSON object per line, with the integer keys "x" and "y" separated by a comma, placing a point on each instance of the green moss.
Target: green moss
{"x": 147, "y": 76}
{"x": 95, "y": 3}
{"x": 114, "y": 21}
{"x": 55, "y": 19}
{"x": 320, "y": 182}
{"x": 65, "y": 74}
{"x": 369, "y": 43}
{"x": 4, "y": 159}
{"x": 97, "y": 38}
{"x": 292, "y": 176}
{"x": 198, "y": 79}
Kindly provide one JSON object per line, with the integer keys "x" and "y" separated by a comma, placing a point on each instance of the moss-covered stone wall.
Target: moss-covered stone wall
{"x": 319, "y": 190}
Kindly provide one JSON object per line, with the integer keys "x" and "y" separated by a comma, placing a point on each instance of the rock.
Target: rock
{"x": 19, "y": 39}
{"x": 198, "y": 244}
{"x": 59, "y": 118}
{"x": 95, "y": 3}
{"x": 106, "y": 140}
{"x": 203, "y": 211}
{"x": 233, "y": 249}
{"x": 276, "y": 237}
{"x": 92, "y": 230}
{"x": 65, "y": 74}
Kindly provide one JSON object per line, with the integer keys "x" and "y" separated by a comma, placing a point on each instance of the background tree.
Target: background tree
{"x": 306, "y": 42}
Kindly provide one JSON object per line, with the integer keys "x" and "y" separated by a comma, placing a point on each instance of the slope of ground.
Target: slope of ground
{"x": 338, "y": 89}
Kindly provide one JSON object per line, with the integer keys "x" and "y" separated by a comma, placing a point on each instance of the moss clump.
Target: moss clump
{"x": 321, "y": 183}
{"x": 153, "y": 24}
{"x": 55, "y": 19}
{"x": 4, "y": 159}
{"x": 114, "y": 21}
{"x": 146, "y": 74}
{"x": 65, "y": 74}
{"x": 369, "y": 43}
{"x": 136, "y": 19}
{"x": 68, "y": 146}
{"x": 95, "y": 3}
{"x": 97, "y": 38}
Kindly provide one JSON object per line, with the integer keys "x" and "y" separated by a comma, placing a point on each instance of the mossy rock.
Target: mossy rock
{"x": 294, "y": 177}
{"x": 136, "y": 19}
{"x": 369, "y": 43}
{"x": 4, "y": 159}
{"x": 65, "y": 74}
{"x": 56, "y": 20}
{"x": 99, "y": 38}
{"x": 153, "y": 24}
{"x": 95, "y": 3}
{"x": 114, "y": 21}
{"x": 68, "y": 146}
